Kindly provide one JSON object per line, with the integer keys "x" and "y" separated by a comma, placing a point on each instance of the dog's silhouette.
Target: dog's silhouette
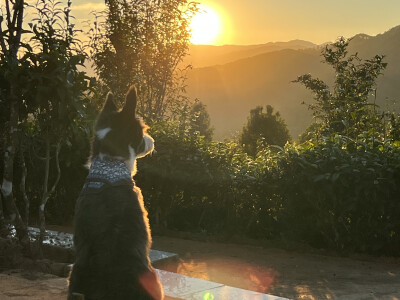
{"x": 112, "y": 235}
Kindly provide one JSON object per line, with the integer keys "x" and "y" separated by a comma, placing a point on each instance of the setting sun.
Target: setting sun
{"x": 205, "y": 26}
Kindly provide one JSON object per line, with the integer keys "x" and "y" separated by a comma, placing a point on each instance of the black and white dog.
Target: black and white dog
{"x": 112, "y": 235}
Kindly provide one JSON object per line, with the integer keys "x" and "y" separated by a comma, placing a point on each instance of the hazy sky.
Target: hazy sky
{"x": 318, "y": 21}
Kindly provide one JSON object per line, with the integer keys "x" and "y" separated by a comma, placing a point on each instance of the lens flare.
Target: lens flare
{"x": 208, "y": 296}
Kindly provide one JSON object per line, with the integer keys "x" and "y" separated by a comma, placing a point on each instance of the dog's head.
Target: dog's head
{"x": 119, "y": 134}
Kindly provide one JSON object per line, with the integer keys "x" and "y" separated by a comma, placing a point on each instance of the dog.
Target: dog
{"x": 112, "y": 235}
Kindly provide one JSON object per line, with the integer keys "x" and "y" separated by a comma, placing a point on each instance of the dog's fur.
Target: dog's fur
{"x": 112, "y": 235}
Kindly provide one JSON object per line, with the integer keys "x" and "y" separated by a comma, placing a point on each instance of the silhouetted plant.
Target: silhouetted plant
{"x": 143, "y": 42}
{"x": 345, "y": 109}
{"x": 266, "y": 125}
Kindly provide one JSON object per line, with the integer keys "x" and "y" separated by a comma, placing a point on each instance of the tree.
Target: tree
{"x": 200, "y": 121}
{"x": 13, "y": 69}
{"x": 267, "y": 125}
{"x": 345, "y": 109}
{"x": 143, "y": 42}
{"x": 57, "y": 91}
{"x": 44, "y": 96}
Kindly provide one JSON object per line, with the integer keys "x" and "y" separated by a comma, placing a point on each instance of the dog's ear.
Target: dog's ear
{"x": 131, "y": 101}
{"x": 109, "y": 106}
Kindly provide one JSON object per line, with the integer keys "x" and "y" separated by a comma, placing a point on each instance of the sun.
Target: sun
{"x": 205, "y": 26}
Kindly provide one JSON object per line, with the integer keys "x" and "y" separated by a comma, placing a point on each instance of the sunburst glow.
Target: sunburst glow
{"x": 205, "y": 26}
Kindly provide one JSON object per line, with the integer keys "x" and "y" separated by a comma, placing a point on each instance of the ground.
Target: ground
{"x": 290, "y": 274}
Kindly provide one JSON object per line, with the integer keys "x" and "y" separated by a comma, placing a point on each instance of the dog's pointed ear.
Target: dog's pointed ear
{"x": 109, "y": 106}
{"x": 131, "y": 101}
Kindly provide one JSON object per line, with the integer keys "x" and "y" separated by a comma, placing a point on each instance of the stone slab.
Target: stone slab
{"x": 65, "y": 240}
{"x": 157, "y": 256}
{"x": 176, "y": 286}
{"x": 229, "y": 293}
{"x": 179, "y": 286}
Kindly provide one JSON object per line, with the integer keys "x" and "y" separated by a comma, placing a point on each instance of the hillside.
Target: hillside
{"x": 206, "y": 55}
{"x": 230, "y": 90}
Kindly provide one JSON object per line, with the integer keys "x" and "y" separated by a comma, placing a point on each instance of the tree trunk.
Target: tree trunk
{"x": 10, "y": 208}
{"x": 10, "y": 42}
{"x": 46, "y": 192}
{"x": 3, "y": 225}
{"x": 22, "y": 186}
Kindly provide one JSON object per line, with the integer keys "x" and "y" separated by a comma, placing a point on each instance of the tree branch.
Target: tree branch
{"x": 58, "y": 169}
{"x": 46, "y": 194}
{"x": 46, "y": 171}
{"x": 8, "y": 14}
{"x": 2, "y": 41}
{"x": 20, "y": 13}
{"x": 22, "y": 185}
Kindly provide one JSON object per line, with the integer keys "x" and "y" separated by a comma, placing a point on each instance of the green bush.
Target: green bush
{"x": 337, "y": 194}
{"x": 341, "y": 199}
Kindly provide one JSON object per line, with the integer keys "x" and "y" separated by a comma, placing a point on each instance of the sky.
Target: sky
{"x": 245, "y": 22}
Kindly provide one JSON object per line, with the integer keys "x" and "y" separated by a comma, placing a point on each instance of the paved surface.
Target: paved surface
{"x": 185, "y": 287}
{"x": 19, "y": 284}
{"x": 24, "y": 285}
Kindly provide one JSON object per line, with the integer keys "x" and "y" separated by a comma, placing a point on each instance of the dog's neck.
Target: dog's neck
{"x": 109, "y": 170}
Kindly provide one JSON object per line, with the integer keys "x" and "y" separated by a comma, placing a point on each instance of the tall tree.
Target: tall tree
{"x": 345, "y": 108}
{"x": 11, "y": 95}
{"x": 143, "y": 42}
{"x": 267, "y": 125}
{"x": 200, "y": 121}
{"x": 57, "y": 90}
{"x": 43, "y": 94}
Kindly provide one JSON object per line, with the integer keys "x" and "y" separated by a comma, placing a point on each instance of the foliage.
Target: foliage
{"x": 56, "y": 86}
{"x": 394, "y": 128}
{"x": 338, "y": 189}
{"x": 269, "y": 126}
{"x": 200, "y": 120}
{"x": 12, "y": 68}
{"x": 332, "y": 191}
{"x": 143, "y": 42}
{"x": 322, "y": 194}
{"x": 50, "y": 100}
{"x": 345, "y": 109}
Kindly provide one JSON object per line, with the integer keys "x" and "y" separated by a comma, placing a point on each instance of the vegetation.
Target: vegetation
{"x": 267, "y": 126}
{"x": 143, "y": 42}
{"x": 200, "y": 121}
{"x": 332, "y": 191}
{"x": 48, "y": 94}
{"x": 346, "y": 109}
{"x": 338, "y": 189}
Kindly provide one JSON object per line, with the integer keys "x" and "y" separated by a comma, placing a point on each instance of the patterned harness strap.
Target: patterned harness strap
{"x": 104, "y": 172}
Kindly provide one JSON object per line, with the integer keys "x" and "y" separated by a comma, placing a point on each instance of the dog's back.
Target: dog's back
{"x": 112, "y": 236}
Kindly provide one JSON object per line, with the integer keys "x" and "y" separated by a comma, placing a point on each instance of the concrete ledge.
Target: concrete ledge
{"x": 179, "y": 286}
{"x": 176, "y": 286}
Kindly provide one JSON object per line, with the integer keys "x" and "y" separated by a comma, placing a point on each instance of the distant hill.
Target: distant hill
{"x": 231, "y": 89}
{"x": 207, "y": 55}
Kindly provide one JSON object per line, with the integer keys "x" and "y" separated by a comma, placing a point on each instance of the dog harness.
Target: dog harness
{"x": 105, "y": 172}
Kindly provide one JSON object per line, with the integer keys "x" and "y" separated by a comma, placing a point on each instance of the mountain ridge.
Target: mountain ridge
{"x": 208, "y": 55}
{"x": 230, "y": 90}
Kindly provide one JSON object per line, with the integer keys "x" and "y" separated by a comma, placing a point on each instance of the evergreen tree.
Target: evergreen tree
{"x": 267, "y": 125}
{"x": 200, "y": 121}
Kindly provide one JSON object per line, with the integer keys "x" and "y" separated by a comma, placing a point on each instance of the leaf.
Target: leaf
{"x": 335, "y": 177}
{"x": 319, "y": 177}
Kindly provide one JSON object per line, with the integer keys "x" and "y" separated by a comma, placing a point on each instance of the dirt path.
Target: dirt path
{"x": 284, "y": 273}
{"x": 26, "y": 285}
{"x": 278, "y": 272}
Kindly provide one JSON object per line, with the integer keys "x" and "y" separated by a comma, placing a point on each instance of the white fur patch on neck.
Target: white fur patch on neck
{"x": 101, "y": 134}
{"x": 131, "y": 162}
{"x": 148, "y": 145}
